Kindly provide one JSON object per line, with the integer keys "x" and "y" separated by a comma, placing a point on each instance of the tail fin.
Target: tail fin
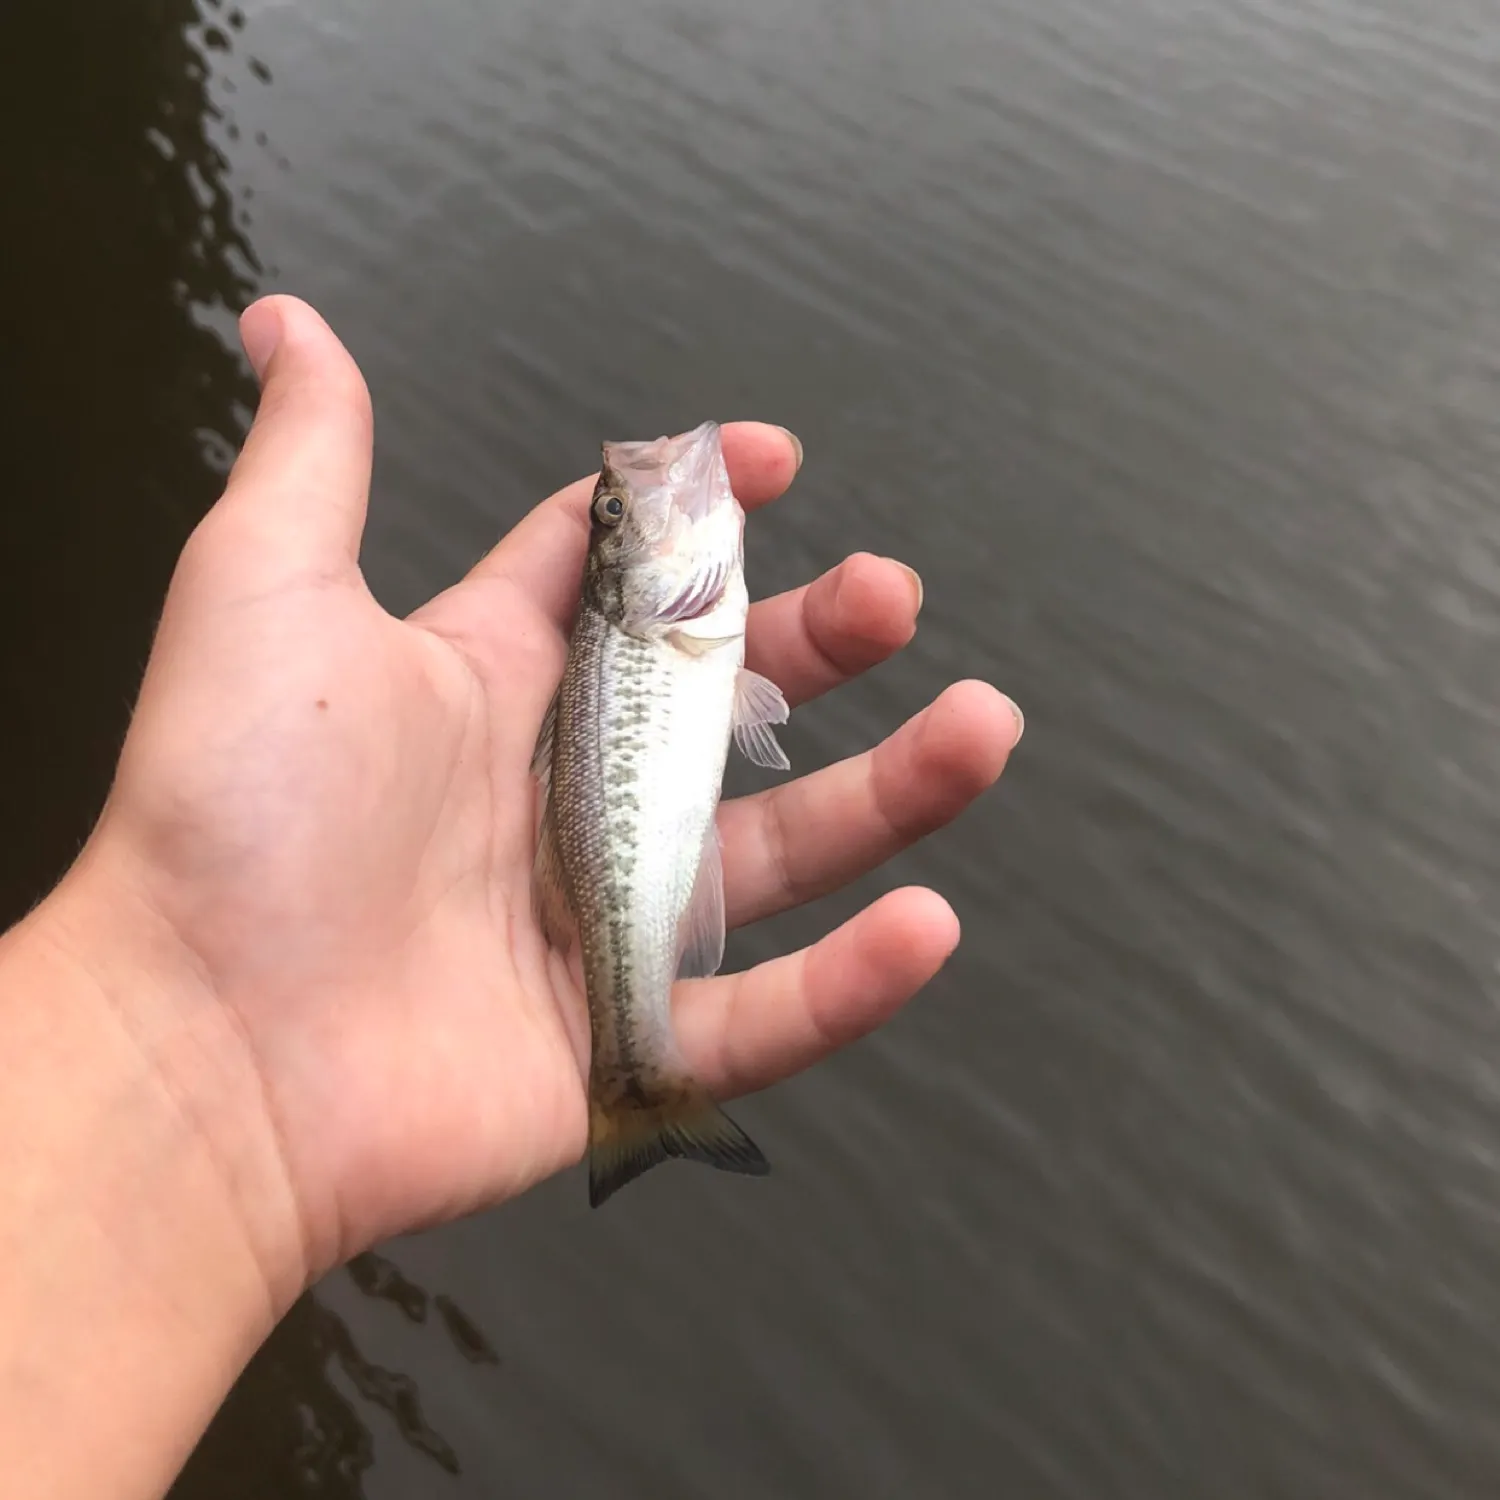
{"x": 636, "y": 1128}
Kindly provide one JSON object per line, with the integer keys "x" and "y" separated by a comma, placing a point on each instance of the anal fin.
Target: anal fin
{"x": 541, "y": 755}
{"x": 549, "y": 897}
{"x": 703, "y": 922}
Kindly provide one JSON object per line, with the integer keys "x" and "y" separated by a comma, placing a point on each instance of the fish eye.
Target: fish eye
{"x": 608, "y": 509}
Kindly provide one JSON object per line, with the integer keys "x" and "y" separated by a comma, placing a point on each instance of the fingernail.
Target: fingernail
{"x": 916, "y": 581}
{"x": 796, "y": 443}
{"x": 1020, "y": 722}
{"x": 260, "y": 333}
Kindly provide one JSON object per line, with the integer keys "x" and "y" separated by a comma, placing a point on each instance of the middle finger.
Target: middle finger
{"x": 814, "y": 638}
{"x": 807, "y": 837}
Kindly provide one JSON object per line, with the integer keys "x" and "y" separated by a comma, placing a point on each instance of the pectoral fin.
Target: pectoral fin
{"x": 698, "y": 645}
{"x": 703, "y": 922}
{"x": 757, "y": 705}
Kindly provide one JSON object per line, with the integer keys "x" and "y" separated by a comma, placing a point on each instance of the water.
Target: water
{"x": 1164, "y": 340}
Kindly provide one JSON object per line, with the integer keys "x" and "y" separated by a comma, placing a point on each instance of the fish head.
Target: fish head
{"x": 667, "y": 535}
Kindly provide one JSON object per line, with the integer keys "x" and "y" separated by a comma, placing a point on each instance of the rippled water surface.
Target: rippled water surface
{"x": 1164, "y": 340}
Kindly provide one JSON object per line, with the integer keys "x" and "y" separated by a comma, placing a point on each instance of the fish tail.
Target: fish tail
{"x": 634, "y": 1128}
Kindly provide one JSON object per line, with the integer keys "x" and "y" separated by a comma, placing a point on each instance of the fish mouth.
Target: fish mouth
{"x": 687, "y": 471}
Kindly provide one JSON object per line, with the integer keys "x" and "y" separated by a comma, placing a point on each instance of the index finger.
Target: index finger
{"x": 543, "y": 554}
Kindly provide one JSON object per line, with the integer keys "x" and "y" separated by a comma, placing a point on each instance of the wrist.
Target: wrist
{"x": 170, "y": 1060}
{"x": 147, "y": 1226}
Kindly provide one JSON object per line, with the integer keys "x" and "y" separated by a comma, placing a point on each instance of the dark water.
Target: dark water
{"x": 1164, "y": 339}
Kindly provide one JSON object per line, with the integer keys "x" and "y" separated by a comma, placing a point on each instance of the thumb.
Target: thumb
{"x": 301, "y": 484}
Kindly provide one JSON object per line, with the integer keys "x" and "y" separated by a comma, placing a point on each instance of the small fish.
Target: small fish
{"x": 630, "y": 762}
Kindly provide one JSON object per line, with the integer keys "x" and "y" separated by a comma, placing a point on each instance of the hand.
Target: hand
{"x": 323, "y": 823}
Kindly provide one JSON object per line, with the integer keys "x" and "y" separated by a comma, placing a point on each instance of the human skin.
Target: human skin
{"x": 291, "y": 1000}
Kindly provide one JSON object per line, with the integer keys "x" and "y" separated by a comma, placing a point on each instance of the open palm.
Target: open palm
{"x": 330, "y": 809}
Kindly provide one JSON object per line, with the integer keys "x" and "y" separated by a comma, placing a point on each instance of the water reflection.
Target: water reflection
{"x": 135, "y": 258}
{"x": 378, "y": 1277}
{"x": 289, "y": 1430}
{"x": 467, "y": 1337}
{"x": 135, "y": 254}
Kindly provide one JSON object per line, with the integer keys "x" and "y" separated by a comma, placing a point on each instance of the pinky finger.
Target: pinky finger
{"x": 741, "y": 1032}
